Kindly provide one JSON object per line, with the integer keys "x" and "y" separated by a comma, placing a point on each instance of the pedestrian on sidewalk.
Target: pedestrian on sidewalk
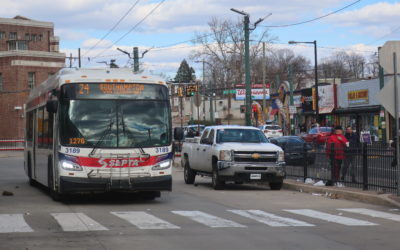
{"x": 351, "y": 153}
{"x": 336, "y": 145}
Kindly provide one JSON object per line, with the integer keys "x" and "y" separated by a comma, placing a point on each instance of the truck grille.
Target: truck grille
{"x": 255, "y": 156}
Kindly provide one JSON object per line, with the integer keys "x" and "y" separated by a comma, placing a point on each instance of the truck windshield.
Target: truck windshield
{"x": 241, "y": 135}
{"x": 115, "y": 123}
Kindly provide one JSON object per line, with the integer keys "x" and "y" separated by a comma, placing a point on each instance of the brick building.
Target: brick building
{"x": 29, "y": 53}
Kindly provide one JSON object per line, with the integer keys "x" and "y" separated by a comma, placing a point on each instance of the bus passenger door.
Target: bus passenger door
{"x": 41, "y": 150}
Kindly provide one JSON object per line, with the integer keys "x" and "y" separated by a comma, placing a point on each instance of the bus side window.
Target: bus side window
{"x": 29, "y": 128}
{"x": 39, "y": 127}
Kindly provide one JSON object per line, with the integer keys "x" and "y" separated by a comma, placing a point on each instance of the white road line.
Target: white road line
{"x": 77, "y": 222}
{"x": 330, "y": 217}
{"x": 271, "y": 219}
{"x": 372, "y": 213}
{"x": 208, "y": 219}
{"x": 144, "y": 220}
{"x": 13, "y": 223}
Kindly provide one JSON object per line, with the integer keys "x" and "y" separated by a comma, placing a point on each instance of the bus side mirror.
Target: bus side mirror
{"x": 51, "y": 106}
{"x": 178, "y": 134}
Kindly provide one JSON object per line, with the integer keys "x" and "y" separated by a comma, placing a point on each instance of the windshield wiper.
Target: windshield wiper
{"x": 104, "y": 134}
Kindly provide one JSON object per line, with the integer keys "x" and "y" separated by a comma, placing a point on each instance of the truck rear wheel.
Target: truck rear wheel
{"x": 188, "y": 174}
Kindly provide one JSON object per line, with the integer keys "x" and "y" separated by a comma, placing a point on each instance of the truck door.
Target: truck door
{"x": 194, "y": 156}
{"x": 205, "y": 152}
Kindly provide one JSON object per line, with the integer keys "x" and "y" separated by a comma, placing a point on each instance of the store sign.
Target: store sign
{"x": 297, "y": 100}
{"x": 307, "y": 100}
{"x": 358, "y": 97}
{"x": 256, "y": 94}
{"x": 326, "y": 99}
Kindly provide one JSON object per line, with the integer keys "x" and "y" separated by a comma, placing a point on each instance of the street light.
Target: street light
{"x": 316, "y": 76}
{"x": 247, "y": 59}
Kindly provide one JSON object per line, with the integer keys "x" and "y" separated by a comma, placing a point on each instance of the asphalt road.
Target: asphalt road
{"x": 190, "y": 217}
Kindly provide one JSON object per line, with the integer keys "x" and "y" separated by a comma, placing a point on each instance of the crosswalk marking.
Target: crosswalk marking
{"x": 372, "y": 213}
{"x": 13, "y": 223}
{"x": 330, "y": 217}
{"x": 77, "y": 222}
{"x": 144, "y": 220}
{"x": 271, "y": 219}
{"x": 208, "y": 219}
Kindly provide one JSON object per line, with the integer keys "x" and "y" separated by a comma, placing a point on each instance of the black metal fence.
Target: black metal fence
{"x": 370, "y": 167}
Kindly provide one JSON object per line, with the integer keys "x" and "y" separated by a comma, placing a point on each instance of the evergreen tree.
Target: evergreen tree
{"x": 185, "y": 73}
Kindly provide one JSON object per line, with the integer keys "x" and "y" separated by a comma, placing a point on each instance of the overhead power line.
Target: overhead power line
{"x": 113, "y": 28}
{"x": 133, "y": 28}
{"x": 388, "y": 34}
{"x": 311, "y": 20}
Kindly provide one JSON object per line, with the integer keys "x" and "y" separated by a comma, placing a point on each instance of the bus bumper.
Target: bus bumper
{"x": 78, "y": 185}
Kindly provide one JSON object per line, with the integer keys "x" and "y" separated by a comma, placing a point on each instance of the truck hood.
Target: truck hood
{"x": 240, "y": 146}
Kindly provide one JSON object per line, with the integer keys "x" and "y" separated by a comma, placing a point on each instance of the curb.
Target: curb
{"x": 344, "y": 193}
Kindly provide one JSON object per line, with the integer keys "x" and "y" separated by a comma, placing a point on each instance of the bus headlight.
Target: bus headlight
{"x": 225, "y": 155}
{"x": 281, "y": 156}
{"x": 72, "y": 166}
{"x": 162, "y": 165}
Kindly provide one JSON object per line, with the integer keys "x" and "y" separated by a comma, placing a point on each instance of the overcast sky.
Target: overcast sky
{"x": 82, "y": 23}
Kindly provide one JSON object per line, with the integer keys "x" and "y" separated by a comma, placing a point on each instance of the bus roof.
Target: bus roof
{"x": 87, "y": 75}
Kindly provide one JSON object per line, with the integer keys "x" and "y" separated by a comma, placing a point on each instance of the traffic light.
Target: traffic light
{"x": 191, "y": 90}
{"x": 180, "y": 91}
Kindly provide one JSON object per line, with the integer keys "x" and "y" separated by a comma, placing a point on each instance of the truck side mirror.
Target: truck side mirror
{"x": 51, "y": 106}
{"x": 178, "y": 134}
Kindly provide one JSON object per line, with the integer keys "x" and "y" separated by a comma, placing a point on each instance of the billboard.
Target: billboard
{"x": 257, "y": 94}
{"x": 326, "y": 97}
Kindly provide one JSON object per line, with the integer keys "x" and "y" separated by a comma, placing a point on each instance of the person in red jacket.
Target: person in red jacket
{"x": 336, "y": 145}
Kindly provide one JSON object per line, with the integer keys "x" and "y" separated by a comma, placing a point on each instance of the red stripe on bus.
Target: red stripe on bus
{"x": 116, "y": 162}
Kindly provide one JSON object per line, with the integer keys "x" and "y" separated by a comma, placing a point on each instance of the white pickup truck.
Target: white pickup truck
{"x": 233, "y": 153}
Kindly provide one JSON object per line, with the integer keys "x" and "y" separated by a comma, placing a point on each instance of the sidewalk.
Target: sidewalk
{"x": 346, "y": 193}
{"x": 11, "y": 153}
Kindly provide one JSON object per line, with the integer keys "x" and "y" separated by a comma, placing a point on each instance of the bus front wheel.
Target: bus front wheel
{"x": 54, "y": 194}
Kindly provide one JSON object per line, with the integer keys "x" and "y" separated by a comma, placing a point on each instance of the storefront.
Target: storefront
{"x": 359, "y": 107}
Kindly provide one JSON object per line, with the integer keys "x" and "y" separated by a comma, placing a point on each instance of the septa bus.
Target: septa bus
{"x": 97, "y": 130}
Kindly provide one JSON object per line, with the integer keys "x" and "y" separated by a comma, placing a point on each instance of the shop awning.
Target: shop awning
{"x": 361, "y": 109}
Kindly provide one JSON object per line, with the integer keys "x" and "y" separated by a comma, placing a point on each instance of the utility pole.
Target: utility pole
{"x": 211, "y": 98}
{"x": 79, "y": 57}
{"x": 291, "y": 116}
{"x": 204, "y": 93}
{"x": 247, "y": 59}
{"x": 264, "y": 103}
{"x": 135, "y": 59}
{"x": 382, "y": 111}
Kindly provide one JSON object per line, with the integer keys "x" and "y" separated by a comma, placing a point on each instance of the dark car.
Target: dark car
{"x": 318, "y": 135}
{"x": 294, "y": 148}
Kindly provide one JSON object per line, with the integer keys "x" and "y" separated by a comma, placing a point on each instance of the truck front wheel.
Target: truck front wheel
{"x": 217, "y": 183}
{"x": 188, "y": 174}
{"x": 276, "y": 185}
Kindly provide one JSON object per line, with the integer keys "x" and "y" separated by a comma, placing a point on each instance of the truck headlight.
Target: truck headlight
{"x": 225, "y": 155}
{"x": 281, "y": 156}
{"x": 71, "y": 166}
{"x": 162, "y": 165}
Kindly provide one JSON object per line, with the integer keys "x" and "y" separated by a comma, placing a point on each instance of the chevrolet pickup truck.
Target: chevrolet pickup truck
{"x": 233, "y": 153}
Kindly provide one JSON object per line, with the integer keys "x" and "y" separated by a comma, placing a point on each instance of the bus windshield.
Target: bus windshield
{"x": 115, "y": 123}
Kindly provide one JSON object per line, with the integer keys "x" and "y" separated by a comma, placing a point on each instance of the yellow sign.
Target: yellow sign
{"x": 358, "y": 97}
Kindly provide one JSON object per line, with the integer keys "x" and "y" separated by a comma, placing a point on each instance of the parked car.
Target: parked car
{"x": 271, "y": 130}
{"x": 317, "y": 135}
{"x": 233, "y": 153}
{"x": 295, "y": 149}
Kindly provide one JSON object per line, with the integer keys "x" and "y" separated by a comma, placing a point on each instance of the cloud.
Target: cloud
{"x": 374, "y": 20}
{"x": 96, "y": 42}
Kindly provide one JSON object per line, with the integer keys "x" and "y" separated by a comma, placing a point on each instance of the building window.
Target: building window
{"x": 1, "y": 81}
{"x": 2, "y": 34}
{"x": 34, "y": 37}
{"x": 31, "y": 79}
{"x": 17, "y": 45}
{"x": 27, "y": 36}
{"x": 12, "y": 36}
{"x": 40, "y": 37}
